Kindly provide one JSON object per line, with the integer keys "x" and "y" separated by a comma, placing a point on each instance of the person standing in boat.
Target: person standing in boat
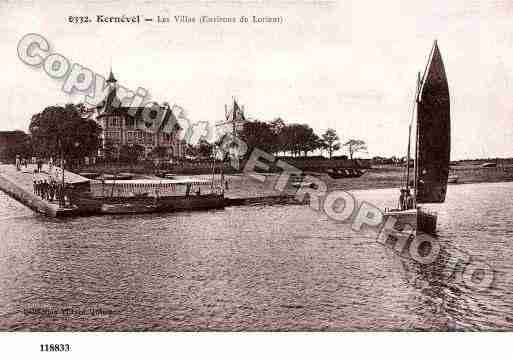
{"x": 402, "y": 200}
{"x": 409, "y": 199}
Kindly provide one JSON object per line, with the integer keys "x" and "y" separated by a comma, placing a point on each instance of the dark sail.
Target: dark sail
{"x": 433, "y": 132}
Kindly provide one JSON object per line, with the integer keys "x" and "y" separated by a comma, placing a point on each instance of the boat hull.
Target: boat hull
{"x": 193, "y": 202}
{"x": 453, "y": 179}
{"x": 419, "y": 219}
{"x": 345, "y": 173}
{"x": 151, "y": 204}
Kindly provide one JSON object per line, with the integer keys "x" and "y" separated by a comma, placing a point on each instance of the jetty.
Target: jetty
{"x": 19, "y": 185}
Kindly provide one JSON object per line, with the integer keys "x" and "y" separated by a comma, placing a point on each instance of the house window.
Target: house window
{"x": 116, "y": 121}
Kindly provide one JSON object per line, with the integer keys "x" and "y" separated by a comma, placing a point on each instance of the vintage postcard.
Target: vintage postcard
{"x": 248, "y": 166}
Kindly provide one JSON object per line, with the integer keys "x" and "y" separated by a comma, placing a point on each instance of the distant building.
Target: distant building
{"x": 233, "y": 122}
{"x": 127, "y": 126}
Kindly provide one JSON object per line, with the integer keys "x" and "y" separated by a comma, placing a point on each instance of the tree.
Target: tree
{"x": 159, "y": 152}
{"x": 277, "y": 127}
{"x": 299, "y": 138}
{"x": 330, "y": 141}
{"x": 312, "y": 143}
{"x": 64, "y": 131}
{"x": 110, "y": 151}
{"x": 130, "y": 153}
{"x": 257, "y": 134}
{"x": 205, "y": 149}
{"x": 355, "y": 146}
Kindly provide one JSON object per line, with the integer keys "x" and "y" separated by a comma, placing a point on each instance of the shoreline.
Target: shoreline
{"x": 243, "y": 185}
{"x": 245, "y": 189}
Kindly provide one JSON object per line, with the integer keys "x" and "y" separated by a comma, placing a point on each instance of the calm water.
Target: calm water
{"x": 249, "y": 268}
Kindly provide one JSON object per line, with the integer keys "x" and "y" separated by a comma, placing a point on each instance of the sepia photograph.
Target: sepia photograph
{"x": 256, "y": 166}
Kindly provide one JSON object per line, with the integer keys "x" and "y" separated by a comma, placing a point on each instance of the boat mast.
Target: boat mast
{"x": 213, "y": 173}
{"x": 415, "y": 168}
{"x": 408, "y": 160}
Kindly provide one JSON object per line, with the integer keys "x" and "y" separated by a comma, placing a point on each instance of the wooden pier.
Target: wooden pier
{"x": 19, "y": 185}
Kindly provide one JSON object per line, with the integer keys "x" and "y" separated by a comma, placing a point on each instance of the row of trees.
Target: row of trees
{"x": 277, "y": 137}
{"x": 69, "y": 131}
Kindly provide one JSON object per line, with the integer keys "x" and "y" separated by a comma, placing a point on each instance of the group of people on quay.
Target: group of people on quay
{"x": 23, "y": 162}
{"x": 45, "y": 183}
{"x": 51, "y": 190}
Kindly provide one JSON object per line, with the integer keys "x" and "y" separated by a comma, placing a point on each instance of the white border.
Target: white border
{"x": 260, "y": 345}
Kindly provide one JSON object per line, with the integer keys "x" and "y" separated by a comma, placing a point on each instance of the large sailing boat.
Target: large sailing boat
{"x": 432, "y": 150}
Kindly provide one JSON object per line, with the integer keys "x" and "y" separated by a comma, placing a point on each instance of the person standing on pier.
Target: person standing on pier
{"x": 70, "y": 194}
{"x": 39, "y": 164}
{"x": 45, "y": 190}
{"x": 18, "y": 163}
{"x": 51, "y": 191}
{"x": 57, "y": 193}
{"x": 60, "y": 195}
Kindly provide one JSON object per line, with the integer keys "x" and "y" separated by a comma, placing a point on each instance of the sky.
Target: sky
{"x": 347, "y": 65}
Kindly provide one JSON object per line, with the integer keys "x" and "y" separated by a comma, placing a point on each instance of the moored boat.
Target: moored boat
{"x": 90, "y": 175}
{"x": 146, "y": 196}
{"x": 453, "y": 179}
{"x": 432, "y": 150}
{"x": 345, "y": 172}
{"x": 297, "y": 180}
{"x": 118, "y": 176}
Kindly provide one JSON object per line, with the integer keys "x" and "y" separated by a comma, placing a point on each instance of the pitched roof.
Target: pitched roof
{"x": 156, "y": 120}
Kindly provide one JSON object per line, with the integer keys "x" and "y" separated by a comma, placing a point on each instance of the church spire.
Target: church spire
{"x": 111, "y": 78}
